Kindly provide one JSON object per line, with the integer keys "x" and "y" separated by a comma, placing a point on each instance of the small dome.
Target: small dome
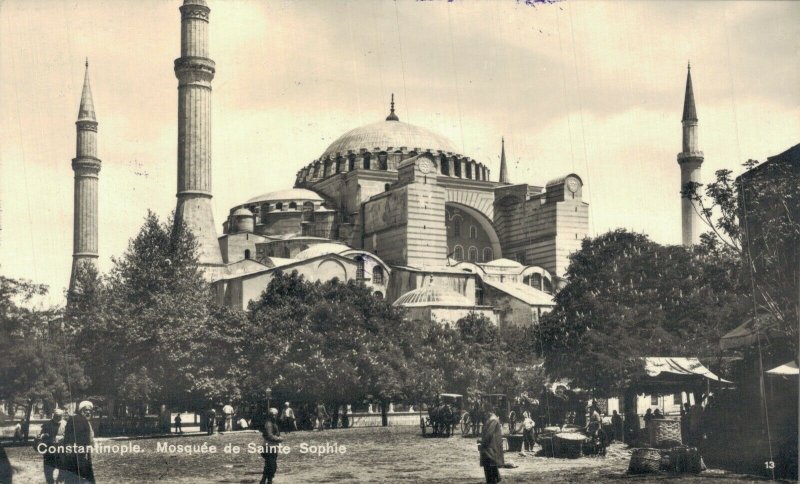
{"x": 321, "y": 249}
{"x": 286, "y": 195}
{"x": 242, "y": 212}
{"x": 386, "y": 134}
{"x": 506, "y": 263}
{"x": 432, "y": 296}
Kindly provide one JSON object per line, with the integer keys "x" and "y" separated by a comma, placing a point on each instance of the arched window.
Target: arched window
{"x": 488, "y": 255}
{"x": 351, "y": 162}
{"x": 292, "y": 206}
{"x": 377, "y": 275}
{"x": 279, "y": 206}
{"x": 548, "y": 286}
{"x": 359, "y": 268}
{"x": 367, "y": 161}
{"x": 469, "y": 170}
{"x": 473, "y": 254}
{"x": 339, "y": 164}
{"x": 308, "y": 211}
{"x": 457, "y": 166}
{"x": 246, "y": 253}
{"x": 387, "y": 187}
{"x": 444, "y": 166}
{"x": 458, "y": 253}
{"x": 383, "y": 161}
{"x": 473, "y": 232}
{"x": 536, "y": 281}
{"x": 457, "y": 226}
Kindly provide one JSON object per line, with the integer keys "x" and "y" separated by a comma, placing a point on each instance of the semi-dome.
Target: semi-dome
{"x": 389, "y": 134}
{"x": 286, "y": 195}
{"x": 321, "y": 249}
{"x": 432, "y": 296}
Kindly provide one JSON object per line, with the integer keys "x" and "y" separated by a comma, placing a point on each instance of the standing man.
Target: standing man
{"x": 288, "y": 419}
{"x": 227, "y": 411}
{"x": 271, "y": 434}
{"x": 78, "y": 438}
{"x": 616, "y": 425}
{"x": 322, "y": 415}
{"x": 211, "y": 420}
{"x": 491, "y": 447}
{"x": 52, "y": 434}
{"x": 178, "y": 422}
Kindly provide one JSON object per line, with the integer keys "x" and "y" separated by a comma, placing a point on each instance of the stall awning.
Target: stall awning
{"x": 655, "y": 366}
{"x": 785, "y": 369}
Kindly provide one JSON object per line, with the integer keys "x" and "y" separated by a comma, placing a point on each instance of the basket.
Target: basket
{"x": 644, "y": 461}
{"x": 664, "y": 433}
{"x": 568, "y": 444}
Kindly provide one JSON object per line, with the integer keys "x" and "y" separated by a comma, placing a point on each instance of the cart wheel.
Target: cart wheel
{"x": 466, "y": 424}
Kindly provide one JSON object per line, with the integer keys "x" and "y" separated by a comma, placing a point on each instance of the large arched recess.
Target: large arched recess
{"x": 485, "y": 224}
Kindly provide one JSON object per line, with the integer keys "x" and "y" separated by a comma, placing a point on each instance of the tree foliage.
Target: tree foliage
{"x": 757, "y": 216}
{"x": 629, "y": 297}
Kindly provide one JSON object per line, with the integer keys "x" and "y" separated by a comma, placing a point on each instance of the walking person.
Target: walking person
{"x": 78, "y": 440}
{"x": 227, "y": 412}
{"x": 271, "y": 434}
{"x": 491, "y": 447}
{"x": 322, "y": 416}
{"x": 211, "y": 421}
{"x": 52, "y": 434}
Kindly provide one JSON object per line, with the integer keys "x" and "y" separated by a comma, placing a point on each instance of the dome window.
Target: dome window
{"x": 351, "y": 162}
{"x": 383, "y": 163}
{"x": 473, "y": 254}
{"x": 444, "y": 165}
{"x": 367, "y": 161}
{"x": 279, "y": 206}
{"x": 473, "y": 232}
{"x": 458, "y": 253}
{"x": 488, "y": 256}
{"x": 292, "y": 206}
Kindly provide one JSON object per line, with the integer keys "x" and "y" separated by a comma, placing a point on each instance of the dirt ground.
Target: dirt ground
{"x": 386, "y": 455}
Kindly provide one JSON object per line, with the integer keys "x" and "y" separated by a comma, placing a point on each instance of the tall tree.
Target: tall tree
{"x": 629, "y": 297}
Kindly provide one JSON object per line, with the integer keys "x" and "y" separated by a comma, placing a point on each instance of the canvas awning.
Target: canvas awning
{"x": 785, "y": 369}
{"x": 655, "y": 366}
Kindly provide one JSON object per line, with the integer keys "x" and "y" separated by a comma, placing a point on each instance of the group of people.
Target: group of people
{"x": 65, "y": 446}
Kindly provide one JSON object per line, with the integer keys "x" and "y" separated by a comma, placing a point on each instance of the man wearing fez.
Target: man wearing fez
{"x": 80, "y": 437}
{"x": 271, "y": 434}
{"x": 491, "y": 447}
{"x": 52, "y": 434}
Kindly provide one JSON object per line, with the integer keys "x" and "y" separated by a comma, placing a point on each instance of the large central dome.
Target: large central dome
{"x": 388, "y": 134}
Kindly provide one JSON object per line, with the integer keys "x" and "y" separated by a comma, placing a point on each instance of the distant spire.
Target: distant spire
{"x": 689, "y": 111}
{"x": 503, "y": 167}
{"x": 392, "y": 116}
{"x": 86, "y": 111}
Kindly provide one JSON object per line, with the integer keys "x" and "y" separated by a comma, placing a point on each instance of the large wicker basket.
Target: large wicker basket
{"x": 645, "y": 461}
{"x": 664, "y": 433}
{"x": 568, "y": 444}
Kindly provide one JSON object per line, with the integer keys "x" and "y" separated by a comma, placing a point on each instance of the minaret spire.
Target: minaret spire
{"x": 86, "y": 166}
{"x": 195, "y": 71}
{"x": 392, "y": 116}
{"x": 503, "y": 167}
{"x": 690, "y": 159}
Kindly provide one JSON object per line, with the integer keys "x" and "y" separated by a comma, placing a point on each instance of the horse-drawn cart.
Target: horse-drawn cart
{"x": 443, "y": 415}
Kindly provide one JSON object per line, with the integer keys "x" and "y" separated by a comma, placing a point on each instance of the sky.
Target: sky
{"x": 574, "y": 87}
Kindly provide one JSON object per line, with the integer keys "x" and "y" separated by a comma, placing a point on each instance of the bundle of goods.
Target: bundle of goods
{"x": 645, "y": 461}
{"x": 664, "y": 433}
{"x": 568, "y": 444}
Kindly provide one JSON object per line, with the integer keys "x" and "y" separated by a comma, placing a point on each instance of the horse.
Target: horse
{"x": 442, "y": 419}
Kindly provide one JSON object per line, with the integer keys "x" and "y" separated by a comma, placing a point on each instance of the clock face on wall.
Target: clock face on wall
{"x": 425, "y": 166}
{"x": 572, "y": 185}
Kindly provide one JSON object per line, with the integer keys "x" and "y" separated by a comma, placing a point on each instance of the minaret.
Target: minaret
{"x": 86, "y": 166}
{"x": 503, "y": 167}
{"x": 195, "y": 71}
{"x": 690, "y": 160}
